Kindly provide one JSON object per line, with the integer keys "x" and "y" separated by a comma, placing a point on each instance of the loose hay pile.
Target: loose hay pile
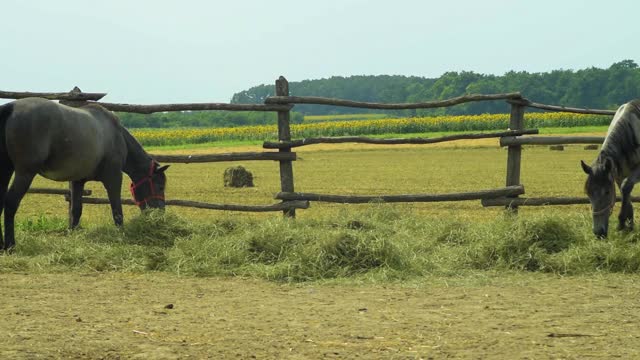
{"x": 238, "y": 176}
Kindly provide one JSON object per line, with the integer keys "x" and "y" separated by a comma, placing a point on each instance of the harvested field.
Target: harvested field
{"x": 499, "y": 316}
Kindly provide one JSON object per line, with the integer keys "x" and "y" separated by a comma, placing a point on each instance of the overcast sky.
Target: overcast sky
{"x": 155, "y": 51}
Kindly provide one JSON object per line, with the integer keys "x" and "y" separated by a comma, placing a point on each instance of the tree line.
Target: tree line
{"x": 592, "y": 88}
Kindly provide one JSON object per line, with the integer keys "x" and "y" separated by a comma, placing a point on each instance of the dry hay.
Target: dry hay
{"x": 238, "y": 176}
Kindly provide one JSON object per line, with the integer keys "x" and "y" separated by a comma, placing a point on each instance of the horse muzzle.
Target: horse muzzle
{"x": 601, "y": 231}
{"x": 152, "y": 204}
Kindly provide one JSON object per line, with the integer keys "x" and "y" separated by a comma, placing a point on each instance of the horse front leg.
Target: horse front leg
{"x": 19, "y": 187}
{"x": 75, "y": 203}
{"x": 625, "y": 217}
{"x": 113, "y": 185}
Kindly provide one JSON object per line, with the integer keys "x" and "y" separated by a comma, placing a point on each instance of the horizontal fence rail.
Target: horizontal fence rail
{"x": 361, "y": 199}
{"x": 150, "y": 109}
{"x": 206, "y": 158}
{"x": 566, "y": 109}
{"x": 367, "y": 140}
{"x": 550, "y": 140}
{"x": 75, "y": 94}
{"x": 542, "y": 201}
{"x": 54, "y": 191}
{"x": 202, "y": 205}
{"x": 386, "y": 106}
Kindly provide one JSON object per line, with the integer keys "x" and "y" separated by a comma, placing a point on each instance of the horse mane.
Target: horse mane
{"x": 636, "y": 105}
{"x": 621, "y": 141}
{"x": 129, "y": 138}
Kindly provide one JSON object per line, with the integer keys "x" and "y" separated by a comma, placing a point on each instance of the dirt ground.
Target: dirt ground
{"x": 122, "y": 316}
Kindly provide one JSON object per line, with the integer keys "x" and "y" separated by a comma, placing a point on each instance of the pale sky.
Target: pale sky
{"x": 155, "y": 51}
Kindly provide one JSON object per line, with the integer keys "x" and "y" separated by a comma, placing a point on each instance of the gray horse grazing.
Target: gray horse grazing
{"x": 617, "y": 163}
{"x": 62, "y": 143}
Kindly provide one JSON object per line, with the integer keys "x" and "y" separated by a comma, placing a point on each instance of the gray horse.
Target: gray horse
{"x": 617, "y": 163}
{"x": 62, "y": 143}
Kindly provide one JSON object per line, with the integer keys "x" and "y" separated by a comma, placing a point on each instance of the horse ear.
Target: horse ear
{"x": 162, "y": 169}
{"x": 586, "y": 168}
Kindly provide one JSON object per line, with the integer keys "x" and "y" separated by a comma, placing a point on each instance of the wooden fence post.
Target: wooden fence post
{"x": 516, "y": 122}
{"x": 284, "y": 134}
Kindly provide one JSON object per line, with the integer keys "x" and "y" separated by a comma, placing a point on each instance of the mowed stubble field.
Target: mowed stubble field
{"x": 75, "y": 314}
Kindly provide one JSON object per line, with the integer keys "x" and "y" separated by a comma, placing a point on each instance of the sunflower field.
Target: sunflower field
{"x": 414, "y": 125}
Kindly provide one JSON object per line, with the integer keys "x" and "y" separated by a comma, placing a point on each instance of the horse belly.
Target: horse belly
{"x": 68, "y": 171}
{"x": 69, "y": 166}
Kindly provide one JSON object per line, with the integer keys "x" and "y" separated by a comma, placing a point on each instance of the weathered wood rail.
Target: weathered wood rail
{"x": 362, "y": 199}
{"x": 367, "y": 140}
{"x": 550, "y": 140}
{"x": 74, "y": 95}
{"x": 382, "y": 106}
{"x": 527, "y": 103}
{"x": 241, "y": 156}
{"x": 150, "y": 109}
{"x": 282, "y": 103}
{"x": 543, "y": 201}
{"x": 283, "y": 206}
{"x": 54, "y": 191}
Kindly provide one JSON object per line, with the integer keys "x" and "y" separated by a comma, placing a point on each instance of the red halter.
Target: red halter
{"x": 148, "y": 178}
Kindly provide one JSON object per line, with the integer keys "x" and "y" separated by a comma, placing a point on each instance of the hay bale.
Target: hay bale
{"x": 556, "y": 147}
{"x": 238, "y": 176}
{"x": 591, "y": 147}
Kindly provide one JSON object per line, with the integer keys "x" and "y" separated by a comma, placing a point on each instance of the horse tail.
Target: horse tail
{"x": 5, "y": 111}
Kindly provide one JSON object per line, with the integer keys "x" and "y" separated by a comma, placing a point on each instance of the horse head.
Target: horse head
{"x": 600, "y": 187}
{"x": 148, "y": 191}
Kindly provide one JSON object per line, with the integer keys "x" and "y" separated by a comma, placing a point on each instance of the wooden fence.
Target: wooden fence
{"x": 282, "y": 103}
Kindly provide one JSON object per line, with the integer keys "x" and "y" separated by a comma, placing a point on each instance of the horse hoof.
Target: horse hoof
{"x": 625, "y": 229}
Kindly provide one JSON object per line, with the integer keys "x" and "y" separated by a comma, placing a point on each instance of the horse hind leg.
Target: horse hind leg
{"x": 12, "y": 198}
{"x": 5, "y": 177}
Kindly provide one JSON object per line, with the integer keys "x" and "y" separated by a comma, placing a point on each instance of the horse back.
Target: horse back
{"x": 60, "y": 142}
{"x": 623, "y": 137}
{"x": 629, "y": 113}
